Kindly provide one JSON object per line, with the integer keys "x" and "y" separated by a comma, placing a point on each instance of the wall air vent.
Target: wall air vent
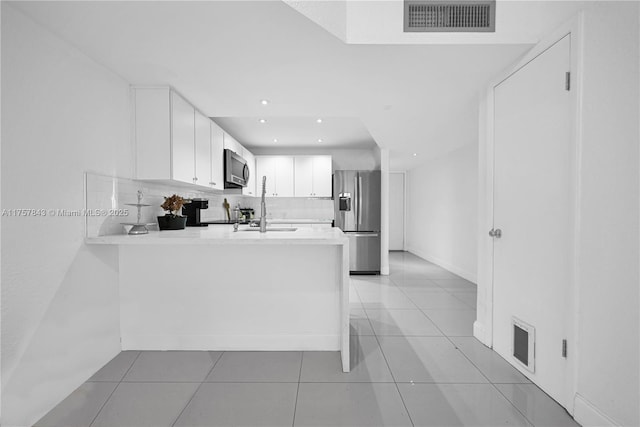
{"x": 449, "y": 16}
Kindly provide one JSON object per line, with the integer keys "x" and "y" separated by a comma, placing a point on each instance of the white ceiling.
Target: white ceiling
{"x": 296, "y": 132}
{"x": 225, "y": 56}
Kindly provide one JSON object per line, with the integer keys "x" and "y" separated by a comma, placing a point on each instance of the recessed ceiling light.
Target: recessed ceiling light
{"x": 415, "y": 154}
{"x": 264, "y": 101}
{"x": 263, "y": 120}
{"x": 319, "y": 139}
{"x": 275, "y": 139}
{"x": 319, "y": 121}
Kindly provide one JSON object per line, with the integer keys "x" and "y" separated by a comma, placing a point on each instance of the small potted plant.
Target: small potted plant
{"x": 172, "y": 220}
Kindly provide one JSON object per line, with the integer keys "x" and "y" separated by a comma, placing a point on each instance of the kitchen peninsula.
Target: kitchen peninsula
{"x": 216, "y": 289}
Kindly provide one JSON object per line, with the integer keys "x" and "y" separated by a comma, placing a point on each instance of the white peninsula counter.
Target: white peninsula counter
{"x": 215, "y": 289}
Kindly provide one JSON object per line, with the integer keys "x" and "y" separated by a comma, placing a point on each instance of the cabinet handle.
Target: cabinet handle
{"x": 195, "y": 179}
{"x": 212, "y": 183}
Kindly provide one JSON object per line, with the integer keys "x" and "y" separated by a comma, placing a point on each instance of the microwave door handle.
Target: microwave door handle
{"x": 246, "y": 172}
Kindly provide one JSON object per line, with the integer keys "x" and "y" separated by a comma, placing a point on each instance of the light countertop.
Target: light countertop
{"x": 226, "y": 235}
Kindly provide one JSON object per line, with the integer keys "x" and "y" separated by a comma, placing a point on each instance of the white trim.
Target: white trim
{"x": 483, "y": 328}
{"x": 232, "y": 342}
{"x": 588, "y": 415}
{"x": 447, "y": 266}
{"x": 404, "y": 206}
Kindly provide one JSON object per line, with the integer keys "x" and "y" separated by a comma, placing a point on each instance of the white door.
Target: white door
{"x": 533, "y": 209}
{"x": 266, "y": 166}
{"x": 396, "y": 211}
{"x": 182, "y": 140}
{"x": 203, "y": 149}
{"x": 322, "y": 169}
{"x": 284, "y": 176}
{"x": 217, "y": 157}
{"x": 303, "y": 171}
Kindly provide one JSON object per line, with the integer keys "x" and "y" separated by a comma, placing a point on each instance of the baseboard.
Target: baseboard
{"x": 232, "y": 342}
{"x": 587, "y": 415}
{"x": 472, "y": 277}
{"x": 480, "y": 333}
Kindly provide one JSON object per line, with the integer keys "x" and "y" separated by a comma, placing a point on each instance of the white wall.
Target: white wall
{"x": 62, "y": 114}
{"x": 606, "y": 346}
{"x": 442, "y": 211}
{"x": 608, "y": 335}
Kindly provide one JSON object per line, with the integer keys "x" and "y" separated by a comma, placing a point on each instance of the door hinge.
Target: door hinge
{"x": 567, "y": 80}
{"x": 564, "y": 348}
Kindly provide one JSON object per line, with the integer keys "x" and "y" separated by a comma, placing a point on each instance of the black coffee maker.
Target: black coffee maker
{"x": 192, "y": 212}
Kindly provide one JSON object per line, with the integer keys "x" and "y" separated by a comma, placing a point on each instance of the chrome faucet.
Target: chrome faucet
{"x": 263, "y": 207}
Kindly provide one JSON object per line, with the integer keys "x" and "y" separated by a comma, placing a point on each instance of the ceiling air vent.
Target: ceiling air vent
{"x": 449, "y": 16}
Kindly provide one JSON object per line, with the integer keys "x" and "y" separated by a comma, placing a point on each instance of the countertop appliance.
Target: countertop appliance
{"x": 192, "y": 212}
{"x": 236, "y": 170}
{"x": 356, "y": 197}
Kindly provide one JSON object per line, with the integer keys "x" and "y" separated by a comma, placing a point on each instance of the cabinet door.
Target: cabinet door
{"x": 152, "y": 137}
{"x": 284, "y": 176}
{"x": 303, "y": 175}
{"x": 217, "y": 159}
{"x": 183, "y": 140}
{"x": 321, "y": 176}
{"x": 250, "y": 189}
{"x": 231, "y": 144}
{"x": 203, "y": 149}
{"x": 266, "y": 166}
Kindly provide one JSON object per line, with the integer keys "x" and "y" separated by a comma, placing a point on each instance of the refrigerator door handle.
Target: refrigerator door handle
{"x": 359, "y": 201}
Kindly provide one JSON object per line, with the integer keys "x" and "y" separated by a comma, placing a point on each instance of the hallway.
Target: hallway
{"x": 414, "y": 362}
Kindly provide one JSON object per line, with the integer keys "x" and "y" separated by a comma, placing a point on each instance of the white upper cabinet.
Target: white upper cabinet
{"x": 313, "y": 176}
{"x": 183, "y": 140}
{"x": 279, "y": 173}
{"x": 303, "y": 168}
{"x": 203, "y": 149}
{"x": 174, "y": 141}
{"x": 233, "y": 145}
{"x": 250, "y": 189}
{"x": 322, "y": 176}
{"x": 217, "y": 159}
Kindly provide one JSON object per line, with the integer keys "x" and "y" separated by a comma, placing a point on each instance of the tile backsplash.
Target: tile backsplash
{"x": 109, "y": 193}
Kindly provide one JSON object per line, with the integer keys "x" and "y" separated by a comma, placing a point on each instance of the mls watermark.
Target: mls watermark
{"x": 64, "y": 212}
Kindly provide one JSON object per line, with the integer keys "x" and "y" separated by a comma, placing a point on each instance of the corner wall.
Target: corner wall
{"x": 442, "y": 211}
{"x": 608, "y": 292}
{"x": 62, "y": 114}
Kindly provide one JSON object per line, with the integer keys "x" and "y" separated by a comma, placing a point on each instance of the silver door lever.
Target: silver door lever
{"x": 497, "y": 233}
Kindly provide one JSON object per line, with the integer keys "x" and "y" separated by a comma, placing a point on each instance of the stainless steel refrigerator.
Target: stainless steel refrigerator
{"x": 356, "y": 196}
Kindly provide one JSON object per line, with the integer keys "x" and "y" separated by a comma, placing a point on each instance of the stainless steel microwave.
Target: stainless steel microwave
{"x": 236, "y": 170}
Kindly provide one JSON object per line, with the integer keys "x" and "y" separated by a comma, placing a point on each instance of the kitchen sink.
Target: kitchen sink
{"x": 270, "y": 229}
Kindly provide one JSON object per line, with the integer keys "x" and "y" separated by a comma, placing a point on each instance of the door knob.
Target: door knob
{"x": 497, "y": 233}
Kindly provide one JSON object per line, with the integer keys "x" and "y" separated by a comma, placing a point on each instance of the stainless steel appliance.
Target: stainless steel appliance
{"x": 236, "y": 170}
{"x": 356, "y": 196}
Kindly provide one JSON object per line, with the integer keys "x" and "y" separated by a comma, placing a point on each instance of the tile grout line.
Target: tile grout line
{"x": 93, "y": 420}
{"x": 395, "y": 383}
{"x": 465, "y": 356}
{"x": 394, "y": 378}
{"x": 197, "y": 389}
{"x": 295, "y": 406}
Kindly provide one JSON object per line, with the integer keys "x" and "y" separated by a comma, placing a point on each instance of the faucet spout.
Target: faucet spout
{"x": 263, "y": 207}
